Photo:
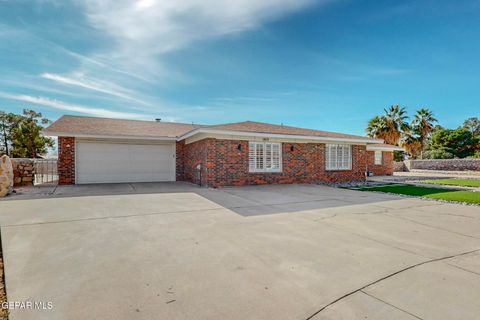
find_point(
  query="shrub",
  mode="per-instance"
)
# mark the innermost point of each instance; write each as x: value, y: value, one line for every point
x: 437, y: 154
x: 476, y: 155
x: 398, y: 156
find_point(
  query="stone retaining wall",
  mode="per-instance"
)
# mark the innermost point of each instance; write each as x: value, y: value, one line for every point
x: 439, y: 164
x: 23, y: 172
x: 399, y: 166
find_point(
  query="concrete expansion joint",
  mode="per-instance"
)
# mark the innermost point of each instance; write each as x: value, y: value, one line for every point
x: 327, y: 217
x: 391, y: 305
x: 53, y: 191
x: 430, y: 226
x: 387, y: 277
x: 113, y: 217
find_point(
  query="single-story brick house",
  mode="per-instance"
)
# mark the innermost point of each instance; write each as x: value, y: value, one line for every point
x: 101, y: 150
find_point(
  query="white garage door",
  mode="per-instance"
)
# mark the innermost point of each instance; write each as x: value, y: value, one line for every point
x: 104, y: 162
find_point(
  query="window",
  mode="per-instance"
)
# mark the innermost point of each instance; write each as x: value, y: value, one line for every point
x: 265, y: 157
x: 338, y: 157
x: 378, y: 157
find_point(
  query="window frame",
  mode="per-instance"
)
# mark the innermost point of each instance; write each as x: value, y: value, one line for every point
x: 332, y: 153
x: 375, y: 158
x: 267, y: 157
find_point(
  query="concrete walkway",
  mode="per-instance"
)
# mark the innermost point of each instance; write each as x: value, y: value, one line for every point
x: 272, y: 252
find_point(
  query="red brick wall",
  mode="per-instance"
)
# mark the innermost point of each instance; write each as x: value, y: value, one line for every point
x: 66, y: 160
x: 225, y: 163
x: 179, y: 160
x: 386, y: 168
x: 302, y: 165
x: 198, y: 153
x: 359, y: 166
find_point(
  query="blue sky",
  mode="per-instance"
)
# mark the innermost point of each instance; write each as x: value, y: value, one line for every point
x: 327, y: 64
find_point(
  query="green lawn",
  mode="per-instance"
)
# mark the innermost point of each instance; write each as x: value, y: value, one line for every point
x: 435, y: 193
x: 454, y: 182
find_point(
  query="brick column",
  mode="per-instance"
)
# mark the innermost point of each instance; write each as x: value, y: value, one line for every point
x: 66, y: 160
x: 179, y: 161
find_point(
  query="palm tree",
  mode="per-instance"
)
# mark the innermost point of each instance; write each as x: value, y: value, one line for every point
x: 396, y: 123
x: 412, y: 144
x: 423, y: 124
x: 376, y: 126
x: 390, y: 126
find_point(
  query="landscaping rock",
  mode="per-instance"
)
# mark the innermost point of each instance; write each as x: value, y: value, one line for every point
x: 6, y: 176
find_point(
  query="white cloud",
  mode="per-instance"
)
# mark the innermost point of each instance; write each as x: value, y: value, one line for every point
x: 53, y: 103
x: 96, y: 85
x: 145, y: 28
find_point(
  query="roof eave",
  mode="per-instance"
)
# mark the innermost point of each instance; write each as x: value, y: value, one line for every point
x: 105, y: 136
x: 380, y: 148
x: 280, y: 136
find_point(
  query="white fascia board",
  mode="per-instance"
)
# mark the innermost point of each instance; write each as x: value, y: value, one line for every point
x: 380, y: 148
x: 276, y: 135
x: 100, y: 136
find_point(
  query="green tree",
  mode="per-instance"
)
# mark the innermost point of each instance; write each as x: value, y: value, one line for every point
x: 8, y: 121
x: 472, y: 125
x: 26, y: 136
x: 458, y: 142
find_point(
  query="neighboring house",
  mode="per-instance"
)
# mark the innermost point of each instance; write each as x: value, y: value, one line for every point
x: 100, y: 150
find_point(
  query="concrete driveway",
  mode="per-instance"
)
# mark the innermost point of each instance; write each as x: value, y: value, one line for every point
x: 270, y: 252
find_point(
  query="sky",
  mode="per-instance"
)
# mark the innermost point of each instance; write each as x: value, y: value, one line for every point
x: 326, y: 64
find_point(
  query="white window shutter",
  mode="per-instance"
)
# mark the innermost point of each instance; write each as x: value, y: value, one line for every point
x: 259, y: 157
x: 264, y: 157
x: 349, y: 157
x: 334, y: 156
x: 276, y: 156
x: 251, y: 156
x: 328, y: 155
x: 268, y: 156
x: 378, y: 157
x: 345, y: 157
x: 338, y: 157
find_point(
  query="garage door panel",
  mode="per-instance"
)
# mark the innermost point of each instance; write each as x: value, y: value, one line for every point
x: 121, y: 162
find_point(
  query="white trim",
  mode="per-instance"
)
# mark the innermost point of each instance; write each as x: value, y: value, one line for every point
x: 276, y: 135
x: 380, y: 148
x: 76, y: 162
x: 125, y: 141
x: 174, y: 178
x: 104, y: 136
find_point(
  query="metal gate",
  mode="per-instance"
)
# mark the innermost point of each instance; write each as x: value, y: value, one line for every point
x: 45, y: 171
